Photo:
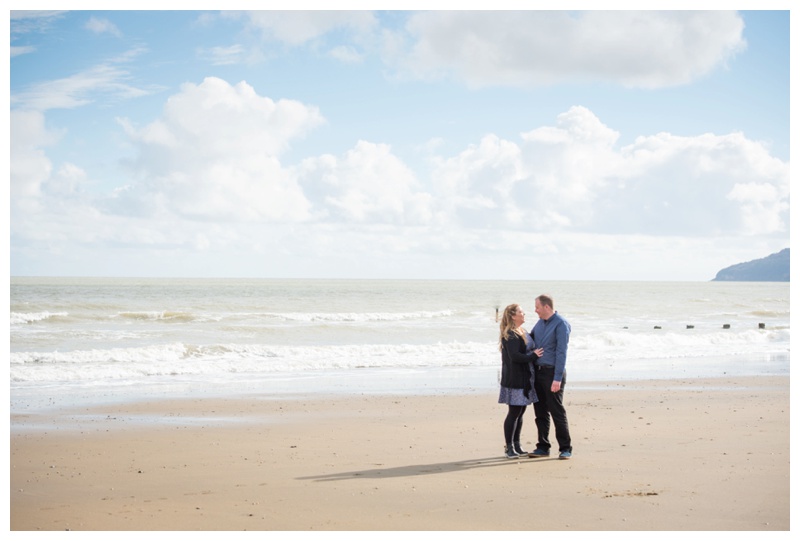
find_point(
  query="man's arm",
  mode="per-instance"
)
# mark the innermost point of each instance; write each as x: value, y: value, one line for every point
x: 562, y: 340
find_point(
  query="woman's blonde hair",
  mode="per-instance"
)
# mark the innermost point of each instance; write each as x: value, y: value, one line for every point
x: 507, y: 323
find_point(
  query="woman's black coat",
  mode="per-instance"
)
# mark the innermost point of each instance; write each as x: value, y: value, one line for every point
x: 516, y: 373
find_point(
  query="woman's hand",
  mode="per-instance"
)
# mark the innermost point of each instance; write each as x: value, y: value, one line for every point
x: 539, y: 351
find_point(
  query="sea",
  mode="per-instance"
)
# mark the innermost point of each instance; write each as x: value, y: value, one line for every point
x: 79, y: 341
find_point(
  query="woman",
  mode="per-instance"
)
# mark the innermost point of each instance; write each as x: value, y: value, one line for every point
x: 516, y: 379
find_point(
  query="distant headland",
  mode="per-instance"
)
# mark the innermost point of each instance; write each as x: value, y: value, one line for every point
x: 773, y: 268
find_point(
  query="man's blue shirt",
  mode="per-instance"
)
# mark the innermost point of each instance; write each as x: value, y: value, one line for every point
x: 553, y: 336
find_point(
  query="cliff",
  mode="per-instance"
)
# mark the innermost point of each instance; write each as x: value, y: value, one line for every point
x: 773, y: 268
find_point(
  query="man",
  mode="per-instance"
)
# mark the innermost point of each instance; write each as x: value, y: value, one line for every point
x: 551, y: 333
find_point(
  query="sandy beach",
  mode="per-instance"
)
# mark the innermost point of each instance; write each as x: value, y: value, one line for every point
x: 648, y: 455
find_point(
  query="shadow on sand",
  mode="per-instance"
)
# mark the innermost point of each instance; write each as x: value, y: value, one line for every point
x: 423, y: 469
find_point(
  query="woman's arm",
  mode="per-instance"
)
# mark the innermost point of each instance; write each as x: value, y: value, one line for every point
x: 516, y: 349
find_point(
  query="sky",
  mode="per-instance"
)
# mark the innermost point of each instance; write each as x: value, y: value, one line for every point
x: 519, y: 145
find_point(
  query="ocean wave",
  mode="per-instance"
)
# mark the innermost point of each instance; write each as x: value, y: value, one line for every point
x: 218, y: 360
x: 182, y: 359
x: 689, y: 343
x: 165, y: 315
x: 21, y: 318
x: 358, y: 317
x: 183, y: 316
x: 770, y: 314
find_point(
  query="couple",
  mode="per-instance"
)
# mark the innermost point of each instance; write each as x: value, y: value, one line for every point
x: 534, y: 373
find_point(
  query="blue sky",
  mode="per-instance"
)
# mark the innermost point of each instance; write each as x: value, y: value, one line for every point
x: 608, y: 145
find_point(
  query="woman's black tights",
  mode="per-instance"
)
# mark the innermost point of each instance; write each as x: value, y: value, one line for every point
x: 513, y: 424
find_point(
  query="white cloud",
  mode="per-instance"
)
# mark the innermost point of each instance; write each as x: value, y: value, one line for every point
x: 368, y: 184
x: 567, y: 167
x: 29, y: 164
x: 68, y: 181
x: 474, y: 188
x: 572, y: 177
x: 213, y: 154
x: 29, y: 21
x: 302, y: 26
x: 647, y: 49
x: 690, y: 186
x: 550, y: 180
x: 762, y: 206
x: 347, y: 54
x: 222, y: 56
x: 18, y: 51
x: 208, y: 179
x: 215, y: 120
x: 79, y: 89
x: 344, y: 35
x: 102, y: 26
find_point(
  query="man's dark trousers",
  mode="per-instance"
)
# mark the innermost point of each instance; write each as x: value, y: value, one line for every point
x: 551, y: 404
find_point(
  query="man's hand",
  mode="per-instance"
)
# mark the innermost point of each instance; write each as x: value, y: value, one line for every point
x: 555, y: 387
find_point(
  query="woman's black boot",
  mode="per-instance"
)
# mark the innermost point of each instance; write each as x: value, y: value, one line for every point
x: 510, y: 452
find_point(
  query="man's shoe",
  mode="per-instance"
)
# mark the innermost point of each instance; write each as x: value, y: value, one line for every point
x: 538, y: 453
x: 510, y: 453
x: 564, y: 455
